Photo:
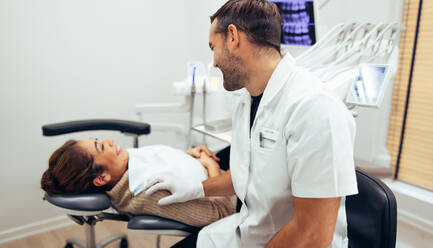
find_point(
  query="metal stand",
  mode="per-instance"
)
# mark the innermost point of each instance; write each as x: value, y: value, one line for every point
x: 135, y: 141
x: 158, y: 240
x: 191, y: 116
x: 90, y: 242
x: 204, y: 110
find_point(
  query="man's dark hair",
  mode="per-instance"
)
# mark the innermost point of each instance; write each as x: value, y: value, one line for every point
x: 258, y: 19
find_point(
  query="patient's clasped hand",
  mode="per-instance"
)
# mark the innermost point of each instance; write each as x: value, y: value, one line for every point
x: 93, y: 165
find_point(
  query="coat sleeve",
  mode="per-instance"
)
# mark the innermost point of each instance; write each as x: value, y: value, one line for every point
x: 320, y: 148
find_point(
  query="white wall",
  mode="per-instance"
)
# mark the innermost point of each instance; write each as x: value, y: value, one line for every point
x: 63, y: 60
x: 198, y: 24
x: 333, y: 12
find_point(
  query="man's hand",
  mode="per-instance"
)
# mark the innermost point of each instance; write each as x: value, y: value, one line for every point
x: 181, y: 191
x: 195, y: 152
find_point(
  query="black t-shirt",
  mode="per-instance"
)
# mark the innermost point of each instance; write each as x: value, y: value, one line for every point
x: 254, y: 106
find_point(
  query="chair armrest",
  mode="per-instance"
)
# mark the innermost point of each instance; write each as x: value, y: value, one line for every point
x: 131, y: 127
x: 154, y: 223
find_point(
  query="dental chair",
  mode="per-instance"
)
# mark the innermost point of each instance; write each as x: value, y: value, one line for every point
x: 88, y: 209
x: 371, y: 214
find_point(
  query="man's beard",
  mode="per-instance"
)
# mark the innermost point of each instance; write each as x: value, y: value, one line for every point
x: 234, y: 77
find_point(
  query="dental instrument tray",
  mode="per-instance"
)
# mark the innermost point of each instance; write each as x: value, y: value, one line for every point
x: 218, y: 126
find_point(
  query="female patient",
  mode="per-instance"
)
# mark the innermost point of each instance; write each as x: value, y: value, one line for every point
x: 100, y: 165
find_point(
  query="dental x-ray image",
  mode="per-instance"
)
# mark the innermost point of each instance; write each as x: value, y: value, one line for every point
x: 297, y: 22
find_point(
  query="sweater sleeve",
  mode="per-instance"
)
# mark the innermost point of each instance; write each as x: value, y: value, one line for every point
x: 197, y: 213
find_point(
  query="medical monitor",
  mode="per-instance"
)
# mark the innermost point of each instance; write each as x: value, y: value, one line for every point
x: 297, y: 22
x: 369, y: 88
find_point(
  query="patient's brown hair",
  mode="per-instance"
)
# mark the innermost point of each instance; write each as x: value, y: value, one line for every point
x: 71, y: 171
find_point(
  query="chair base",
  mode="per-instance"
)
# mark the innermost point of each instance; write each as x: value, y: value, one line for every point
x: 89, y: 229
x: 82, y: 244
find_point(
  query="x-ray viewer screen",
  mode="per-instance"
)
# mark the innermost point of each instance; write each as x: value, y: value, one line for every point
x: 369, y: 86
x: 297, y: 22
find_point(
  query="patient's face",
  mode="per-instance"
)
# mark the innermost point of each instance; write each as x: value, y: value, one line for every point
x: 105, y: 152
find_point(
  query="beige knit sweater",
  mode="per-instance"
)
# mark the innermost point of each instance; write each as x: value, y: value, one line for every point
x: 198, y: 212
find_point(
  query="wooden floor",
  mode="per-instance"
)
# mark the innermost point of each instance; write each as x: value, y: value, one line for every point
x: 407, y: 236
x: 57, y: 238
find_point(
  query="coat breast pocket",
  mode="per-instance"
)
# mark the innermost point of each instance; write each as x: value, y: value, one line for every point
x: 269, y: 159
x: 268, y: 139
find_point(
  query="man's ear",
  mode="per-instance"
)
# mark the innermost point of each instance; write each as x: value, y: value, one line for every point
x: 233, y: 37
x: 102, y: 179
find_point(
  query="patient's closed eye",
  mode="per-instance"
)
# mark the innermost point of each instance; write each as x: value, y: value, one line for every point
x: 98, y: 145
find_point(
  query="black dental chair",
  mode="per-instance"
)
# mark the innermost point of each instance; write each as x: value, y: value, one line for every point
x: 88, y: 209
x: 371, y: 214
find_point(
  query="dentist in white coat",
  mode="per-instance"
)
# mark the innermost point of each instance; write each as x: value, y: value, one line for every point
x: 291, y: 161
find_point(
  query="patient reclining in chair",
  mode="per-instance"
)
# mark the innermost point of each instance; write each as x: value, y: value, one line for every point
x: 92, y: 165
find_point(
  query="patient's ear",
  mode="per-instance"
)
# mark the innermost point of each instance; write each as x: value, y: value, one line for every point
x: 102, y: 179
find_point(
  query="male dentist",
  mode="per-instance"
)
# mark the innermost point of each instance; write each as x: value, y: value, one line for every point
x: 291, y: 162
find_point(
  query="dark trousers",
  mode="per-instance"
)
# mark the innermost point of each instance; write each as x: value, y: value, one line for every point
x: 188, y: 242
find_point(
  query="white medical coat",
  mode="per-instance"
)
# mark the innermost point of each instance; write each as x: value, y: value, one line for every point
x: 305, y: 150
